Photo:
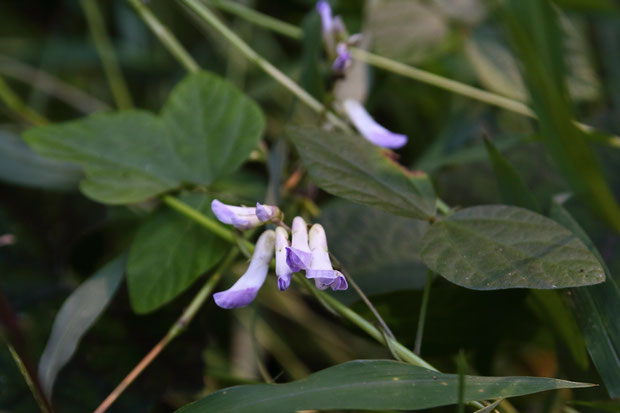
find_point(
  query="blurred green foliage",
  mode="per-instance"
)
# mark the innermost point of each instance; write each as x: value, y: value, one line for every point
x: 61, y: 238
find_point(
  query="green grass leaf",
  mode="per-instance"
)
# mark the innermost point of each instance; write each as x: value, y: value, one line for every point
x: 206, y: 130
x: 369, y: 385
x: 596, y: 309
x: 167, y: 255
x: 351, y: 167
x: 511, y: 186
x: 536, y: 34
x: 497, y: 246
x: 77, y: 314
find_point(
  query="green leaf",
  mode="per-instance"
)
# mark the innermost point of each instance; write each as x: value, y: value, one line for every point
x: 535, y: 31
x: 77, y: 314
x: 407, y: 31
x: 310, y: 77
x: 511, y: 186
x: 167, y: 255
x: 597, y: 309
x: 498, y: 69
x: 205, y: 131
x: 369, y: 385
x: 20, y: 165
x: 351, y: 167
x: 213, y: 126
x: 497, y: 246
x: 379, y: 250
x: 495, y: 66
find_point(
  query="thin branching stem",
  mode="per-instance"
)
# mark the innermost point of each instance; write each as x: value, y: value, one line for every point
x: 177, y: 328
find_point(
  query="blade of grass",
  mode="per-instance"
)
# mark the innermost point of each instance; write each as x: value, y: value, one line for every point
x: 104, y: 47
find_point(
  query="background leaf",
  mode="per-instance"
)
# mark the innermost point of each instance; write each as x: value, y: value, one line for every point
x: 549, y: 305
x: 379, y: 250
x: 405, y: 30
x: 167, y: 255
x: 76, y: 316
x: 369, y: 385
x: 498, y: 69
x: 497, y: 246
x: 535, y: 32
x: 351, y: 167
x: 596, y: 309
x: 21, y: 166
x: 511, y: 186
x: 206, y: 130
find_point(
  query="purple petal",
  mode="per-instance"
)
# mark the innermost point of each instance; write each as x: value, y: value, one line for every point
x: 370, y: 129
x: 325, y: 11
x: 340, y: 283
x: 235, y: 298
x: 222, y: 212
x: 343, y: 58
x: 284, y: 281
x: 324, y: 279
x: 245, y: 289
x: 266, y: 213
x: 297, y: 259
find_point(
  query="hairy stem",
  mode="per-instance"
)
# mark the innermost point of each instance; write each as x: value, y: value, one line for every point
x: 177, y: 328
x: 104, y: 47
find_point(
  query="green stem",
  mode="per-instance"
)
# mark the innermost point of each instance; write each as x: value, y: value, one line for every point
x: 51, y: 85
x: 164, y: 35
x: 331, y: 303
x: 346, y: 312
x: 402, y: 69
x: 403, y: 352
x: 422, y: 318
x: 210, y: 224
x: 36, y: 391
x: 205, y: 14
x: 104, y: 47
x: 177, y: 328
x: 17, y: 106
x: 259, y: 19
x: 441, y: 82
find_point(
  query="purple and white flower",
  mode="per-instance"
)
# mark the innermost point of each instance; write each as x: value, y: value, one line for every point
x: 370, y: 129
x: 266, y: 213
x: 239, y: 217
x: 245, y: 289
x: 283, y: 271
x: 321, y: 269
x: 298, y: 255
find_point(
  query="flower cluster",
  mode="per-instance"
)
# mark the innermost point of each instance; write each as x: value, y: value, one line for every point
x: 337, y: 43
x: 307, y: 251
